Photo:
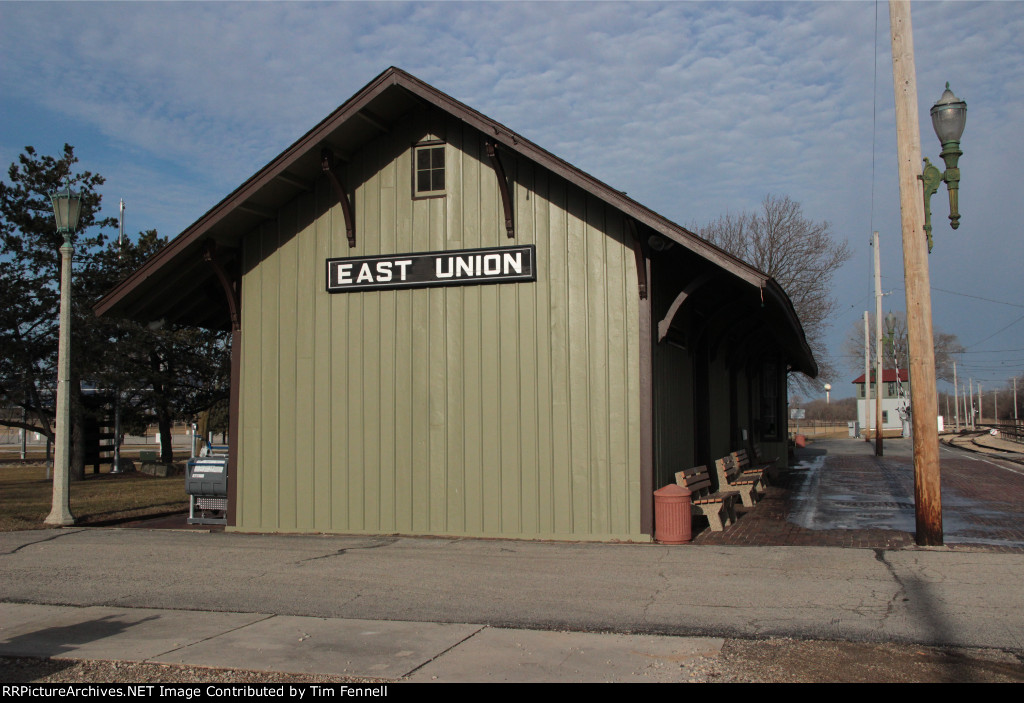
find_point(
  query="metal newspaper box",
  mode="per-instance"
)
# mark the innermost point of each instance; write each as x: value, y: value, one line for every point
x: 206, y: 482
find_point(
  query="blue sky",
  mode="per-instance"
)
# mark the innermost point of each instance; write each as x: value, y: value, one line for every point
x: 695, y: 109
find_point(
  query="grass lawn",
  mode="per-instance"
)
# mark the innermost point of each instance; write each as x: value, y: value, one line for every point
x: 26, y: 495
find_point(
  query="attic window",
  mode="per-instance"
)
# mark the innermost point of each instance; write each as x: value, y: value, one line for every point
x: 428, y: 175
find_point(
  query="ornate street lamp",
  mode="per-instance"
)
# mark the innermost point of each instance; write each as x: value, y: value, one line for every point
x: 67, y: 206
x: 890, y: 336
x: 890, y: 324
x: 949, y: 115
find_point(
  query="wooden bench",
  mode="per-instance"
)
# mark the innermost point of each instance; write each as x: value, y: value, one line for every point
x: 769, y: 464
x: 704, y: 502
x: 749, y: 469
x: 730, y: 478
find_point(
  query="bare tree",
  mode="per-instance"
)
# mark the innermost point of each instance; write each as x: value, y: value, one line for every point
x: 838, y: 410
x: 800, y: 254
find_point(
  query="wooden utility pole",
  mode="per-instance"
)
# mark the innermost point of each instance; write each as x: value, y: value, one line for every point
x: 968, y: 424
x: 956, y: 399
x: 867, y: 379
x: 927, y: 492
x: 970, y: 389
x: 963, y: 395
x: 879, y: 366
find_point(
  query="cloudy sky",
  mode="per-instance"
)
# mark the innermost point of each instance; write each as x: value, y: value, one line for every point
x: 695, y: 109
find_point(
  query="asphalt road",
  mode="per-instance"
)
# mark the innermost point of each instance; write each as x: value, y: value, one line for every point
x: 928, y: 596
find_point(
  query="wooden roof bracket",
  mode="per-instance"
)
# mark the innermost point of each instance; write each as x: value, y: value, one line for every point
x: 640, y: 254
x: 666, y: 322
x: 230, y: 289
x: 327, y: 166
x: 506, y: 196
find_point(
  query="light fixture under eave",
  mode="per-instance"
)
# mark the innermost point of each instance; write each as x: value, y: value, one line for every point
x: 659, y: 243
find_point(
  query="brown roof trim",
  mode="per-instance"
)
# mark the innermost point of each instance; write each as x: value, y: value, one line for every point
x: 252, y: 185
x: 617, y: 199
x: 190, y: 237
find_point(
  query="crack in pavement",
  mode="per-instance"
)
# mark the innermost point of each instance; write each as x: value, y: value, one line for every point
x: 901, y: 594
x: 440, y: 654
x: 657, y: 591
x: 60, y: 534
x: 341, y: 552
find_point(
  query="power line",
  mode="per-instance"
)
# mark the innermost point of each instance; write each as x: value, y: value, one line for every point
x: 997, y: 332
x: 976, y: 297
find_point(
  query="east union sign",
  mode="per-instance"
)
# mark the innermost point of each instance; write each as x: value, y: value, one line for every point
x: 435, y: 268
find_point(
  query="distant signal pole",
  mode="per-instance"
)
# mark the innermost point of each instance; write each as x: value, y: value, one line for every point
x: 879, y: 366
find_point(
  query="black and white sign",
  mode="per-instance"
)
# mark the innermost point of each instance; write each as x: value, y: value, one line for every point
x: 435, y: 268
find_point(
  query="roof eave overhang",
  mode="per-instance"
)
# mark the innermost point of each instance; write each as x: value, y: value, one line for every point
x: 191, y: 242
x: 799, y: 349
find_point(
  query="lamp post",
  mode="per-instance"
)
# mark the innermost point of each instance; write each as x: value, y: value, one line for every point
x: 949, y: 115
x: 67, y: 206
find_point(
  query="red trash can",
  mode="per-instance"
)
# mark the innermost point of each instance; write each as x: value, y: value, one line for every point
x: 672, y: 516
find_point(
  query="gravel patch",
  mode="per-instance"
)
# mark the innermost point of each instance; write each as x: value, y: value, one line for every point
x: 33, y: 670
x: 776, y: 660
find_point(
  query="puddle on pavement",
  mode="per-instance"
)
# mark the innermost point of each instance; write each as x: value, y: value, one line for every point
x: 818, y: 505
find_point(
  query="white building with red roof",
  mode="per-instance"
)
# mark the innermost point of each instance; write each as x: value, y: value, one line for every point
x: 895, y: 389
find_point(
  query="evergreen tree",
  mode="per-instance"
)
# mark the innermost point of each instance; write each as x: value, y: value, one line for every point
x: 30, y: 291
x: 161, y: 376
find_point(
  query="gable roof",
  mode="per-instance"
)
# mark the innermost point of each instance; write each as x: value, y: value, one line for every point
x: 177, y: 283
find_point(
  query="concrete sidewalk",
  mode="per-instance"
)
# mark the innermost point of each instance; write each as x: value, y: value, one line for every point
x: 410, y: 651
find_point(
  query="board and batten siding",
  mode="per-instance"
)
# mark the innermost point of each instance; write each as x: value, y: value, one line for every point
x: 485, y: 410
x: 673, y: 412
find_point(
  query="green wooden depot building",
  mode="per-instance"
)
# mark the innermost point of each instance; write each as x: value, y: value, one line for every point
x: 439, y: 328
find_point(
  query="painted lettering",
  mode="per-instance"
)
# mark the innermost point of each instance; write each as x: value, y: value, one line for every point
x: 439, y: 267
x: 344, y: 273
x: 514, y: 262
x: 496, y: 265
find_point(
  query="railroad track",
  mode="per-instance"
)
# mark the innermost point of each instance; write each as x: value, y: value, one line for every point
x: 979, y: 441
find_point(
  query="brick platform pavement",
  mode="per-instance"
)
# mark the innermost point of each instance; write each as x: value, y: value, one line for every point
x: 866, y: 502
